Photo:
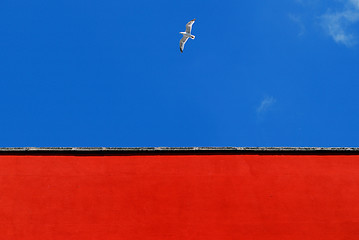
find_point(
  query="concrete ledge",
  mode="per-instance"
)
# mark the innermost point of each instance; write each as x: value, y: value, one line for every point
x: 178, y: 150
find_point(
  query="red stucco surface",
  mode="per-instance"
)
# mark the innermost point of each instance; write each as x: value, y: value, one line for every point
x: 179, y: 197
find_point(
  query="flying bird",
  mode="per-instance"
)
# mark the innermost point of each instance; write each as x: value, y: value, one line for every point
x: 187, y: 34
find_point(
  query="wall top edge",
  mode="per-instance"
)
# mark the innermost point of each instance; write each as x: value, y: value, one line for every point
x: 175, y: 150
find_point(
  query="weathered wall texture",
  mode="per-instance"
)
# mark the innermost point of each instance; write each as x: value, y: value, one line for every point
x: 179, y: 197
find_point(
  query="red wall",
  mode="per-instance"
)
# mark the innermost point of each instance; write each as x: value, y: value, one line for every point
x: 179, y: 197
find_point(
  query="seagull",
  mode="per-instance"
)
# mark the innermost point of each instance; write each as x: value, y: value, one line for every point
x: 187, y: 34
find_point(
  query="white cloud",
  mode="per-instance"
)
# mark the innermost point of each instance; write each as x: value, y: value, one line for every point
x: 266, y: 104
x: 297, y: 19
x: 355, y: 3
x: 337, y: 24
x: 338, y: 18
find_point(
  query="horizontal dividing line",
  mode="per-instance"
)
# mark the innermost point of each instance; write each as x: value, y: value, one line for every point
x: 102, y: 151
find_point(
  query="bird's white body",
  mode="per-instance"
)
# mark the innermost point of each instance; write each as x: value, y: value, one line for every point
x: 187, y: 34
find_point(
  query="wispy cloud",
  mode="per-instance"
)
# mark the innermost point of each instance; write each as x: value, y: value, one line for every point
x: 297, y: 20
x: 337, y: 24
x: 355, y: 3
x: 266, y: 104
x: 338, y: 18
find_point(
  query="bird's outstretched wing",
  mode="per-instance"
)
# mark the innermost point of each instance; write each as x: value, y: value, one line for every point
x: 189, y: 26
x: 182, y: 42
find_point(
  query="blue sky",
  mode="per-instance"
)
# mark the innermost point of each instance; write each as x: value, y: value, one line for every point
x: 110, y: 73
